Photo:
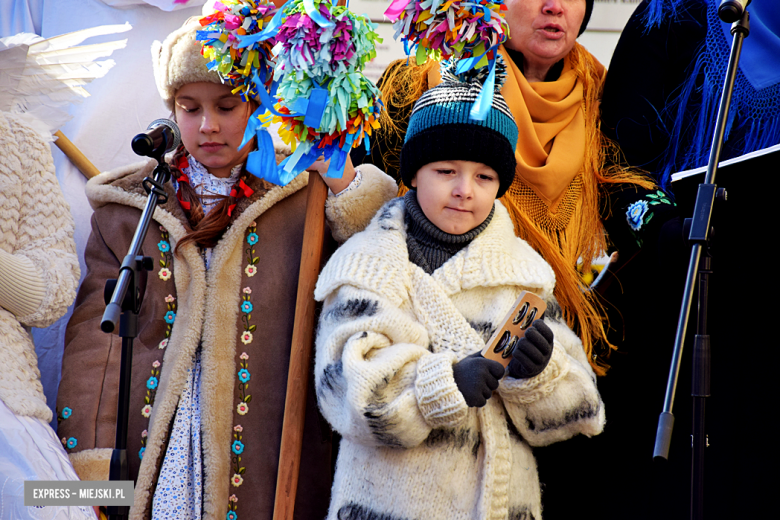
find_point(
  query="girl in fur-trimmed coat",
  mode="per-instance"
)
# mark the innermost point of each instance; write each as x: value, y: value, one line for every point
x: 431, y: 429
x: 210, y: 359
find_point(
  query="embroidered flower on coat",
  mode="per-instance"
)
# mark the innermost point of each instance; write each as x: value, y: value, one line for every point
x: 237, y: 447
x: 635, y: 214
x: 151, y: 383
x: 169, y: 299
x: 141, y: 452
x: 170, y: 317
x: 146, y: 411
x: 72, y: 443
x: 246, y: 309
x: 166, y: 258
x: 251, y: 259
x: 641, y: 212
x: 232, y: 507
x: 163, y: 344
x: 63, y: 415
x: 156, y: 364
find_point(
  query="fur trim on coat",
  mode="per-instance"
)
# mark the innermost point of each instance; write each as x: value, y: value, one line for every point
x: 209, y: 313
x: 388, y: 337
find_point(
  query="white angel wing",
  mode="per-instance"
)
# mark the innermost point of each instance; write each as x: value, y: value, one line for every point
x: 40, y: 78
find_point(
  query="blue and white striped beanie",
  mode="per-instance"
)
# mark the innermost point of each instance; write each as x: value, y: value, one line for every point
x: 441, y: 128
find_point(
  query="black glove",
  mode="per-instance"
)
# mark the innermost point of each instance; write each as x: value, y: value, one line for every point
x: 533, y: 352
x: 476, y: 378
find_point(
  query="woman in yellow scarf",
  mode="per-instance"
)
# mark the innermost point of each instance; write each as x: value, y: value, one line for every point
x: 553, y: 88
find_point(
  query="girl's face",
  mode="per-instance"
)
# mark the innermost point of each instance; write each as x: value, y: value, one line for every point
x: 212, y: 123
x: 456, y: 196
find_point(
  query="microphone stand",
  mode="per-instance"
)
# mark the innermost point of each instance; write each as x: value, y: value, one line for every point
x: 699, y: 238
x: 123, y: 303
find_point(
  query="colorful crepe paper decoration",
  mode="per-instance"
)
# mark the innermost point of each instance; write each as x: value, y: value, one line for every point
x: 247, y: 68
x: 237, y: 40
x: 469, y: 31
x: 326, y: 105
x: 442, y: 29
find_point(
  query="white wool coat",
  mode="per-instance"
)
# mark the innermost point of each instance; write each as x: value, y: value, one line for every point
x: 36, y: 237
x: 388, y: 337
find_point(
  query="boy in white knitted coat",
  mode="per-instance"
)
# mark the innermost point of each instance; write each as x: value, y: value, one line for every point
x: 431, y: 429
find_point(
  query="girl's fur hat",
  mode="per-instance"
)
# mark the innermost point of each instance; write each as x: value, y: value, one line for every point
x: 178, y: 61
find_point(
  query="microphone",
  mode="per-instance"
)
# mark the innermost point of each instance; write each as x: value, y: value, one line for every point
x: 731, y: 11
x: 161, y: 137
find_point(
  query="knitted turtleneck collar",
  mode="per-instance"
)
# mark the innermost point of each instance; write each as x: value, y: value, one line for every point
x: 430, y: 247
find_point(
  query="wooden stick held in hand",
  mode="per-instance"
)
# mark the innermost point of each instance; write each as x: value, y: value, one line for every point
x: 78, y: 159
x: 300, y: 351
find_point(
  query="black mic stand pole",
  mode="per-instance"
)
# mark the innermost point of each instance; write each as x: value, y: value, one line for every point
x: 123, y: 307
x: 699, y: 237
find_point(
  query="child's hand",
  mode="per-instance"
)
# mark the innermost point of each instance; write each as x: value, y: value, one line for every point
x: 476, y: 378
x: 335, y: 185
x: 533, y: 352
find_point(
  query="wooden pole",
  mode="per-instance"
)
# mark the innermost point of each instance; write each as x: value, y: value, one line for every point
x: 78, y: 159
x: 300, y: 351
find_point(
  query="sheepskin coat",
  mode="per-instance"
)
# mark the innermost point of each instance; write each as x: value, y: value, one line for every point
x: 239, y: 311
x: 388, y: 337
x: 36, y: 243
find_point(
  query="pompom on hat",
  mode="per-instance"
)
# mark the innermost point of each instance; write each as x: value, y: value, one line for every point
x: 178, y: 61
x: 441, y: 127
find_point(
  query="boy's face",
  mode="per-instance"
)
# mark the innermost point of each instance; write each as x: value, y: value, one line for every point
x: 456, y: 196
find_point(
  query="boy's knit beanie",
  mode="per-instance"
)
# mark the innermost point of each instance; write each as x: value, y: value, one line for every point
x: 441, y: 128
x: 178, y: 61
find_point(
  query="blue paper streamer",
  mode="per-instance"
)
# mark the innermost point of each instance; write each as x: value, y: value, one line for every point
x: 252, y: 126
x: 272, y: 28
x: 267, y: 101
x: 262, y: 162
x: 315, y: 14
x: 337, y: 162
x: 481, y: 107
x: 318, y: 100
